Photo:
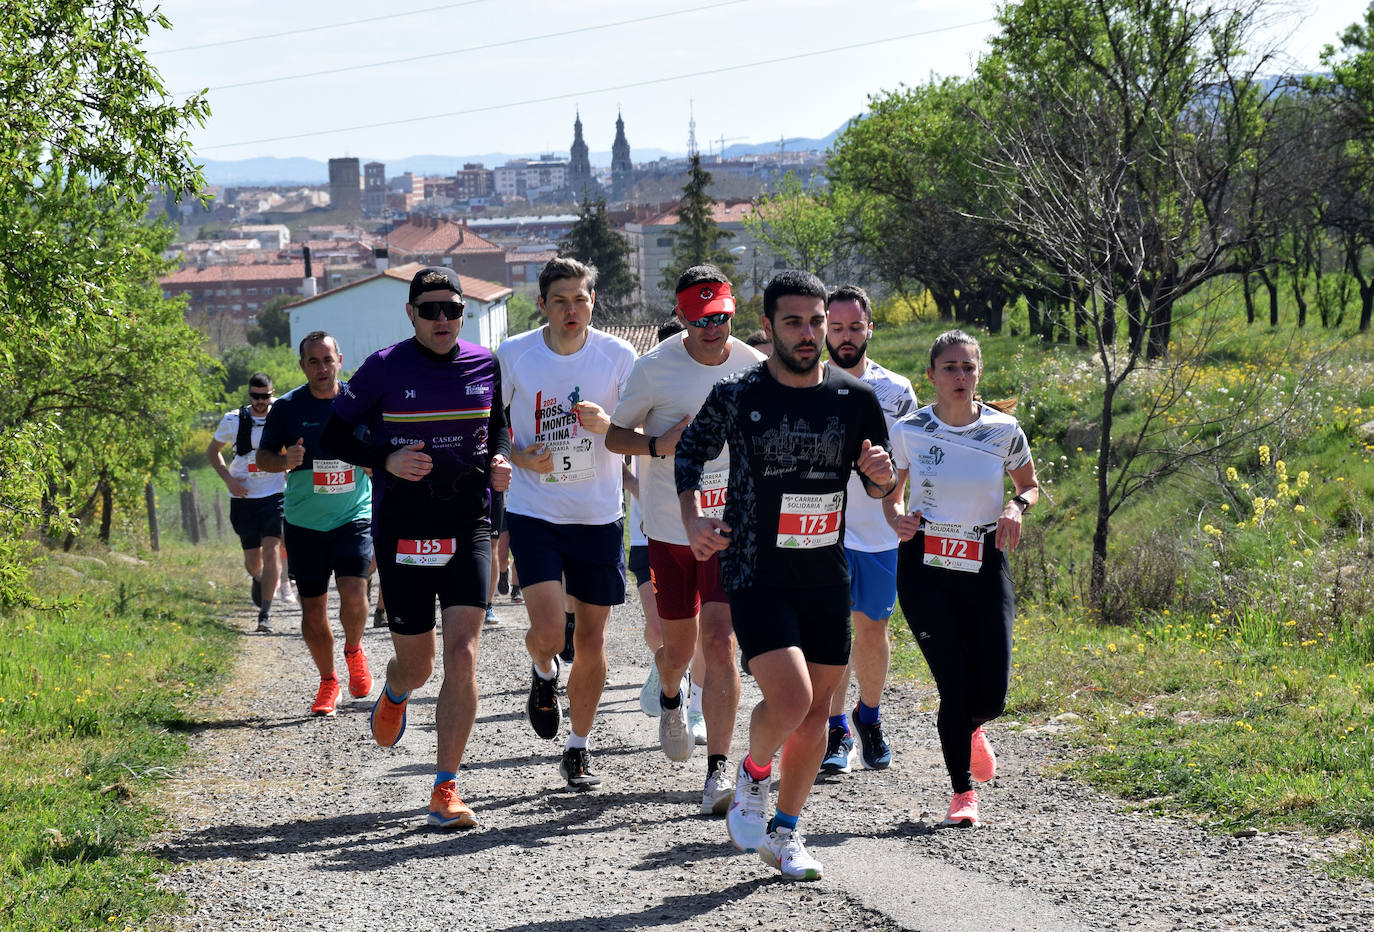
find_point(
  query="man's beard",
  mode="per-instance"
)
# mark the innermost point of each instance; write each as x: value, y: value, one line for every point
x: 791, y: 363
x: 860, y: 351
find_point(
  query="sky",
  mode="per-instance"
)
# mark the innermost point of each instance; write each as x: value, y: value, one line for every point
x: 475, y: 76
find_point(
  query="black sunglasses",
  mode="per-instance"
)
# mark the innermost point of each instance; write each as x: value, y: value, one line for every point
x: 431, y: 310
x: 720, y: 320
x: 260, y: 396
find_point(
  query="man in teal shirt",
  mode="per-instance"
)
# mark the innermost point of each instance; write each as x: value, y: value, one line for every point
x: 328, y: 510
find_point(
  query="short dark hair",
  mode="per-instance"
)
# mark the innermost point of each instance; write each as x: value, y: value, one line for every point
x: 791, y: 282
x: 561, y: 267
x: 698, y: 274
x: 314, y: 335
x: 851, y: 293
x: 757, y: 338
x: 259, y: 380
x: 953, y: 338
x: 669, y: 327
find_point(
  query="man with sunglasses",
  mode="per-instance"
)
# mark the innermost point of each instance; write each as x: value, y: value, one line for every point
x: 328, y: 506
x: 255, y: 508
x: 666, y: 388
x: 437, y: 445
x: 565, y: 508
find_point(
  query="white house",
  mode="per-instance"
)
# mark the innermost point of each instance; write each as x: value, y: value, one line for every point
x: 369, y: 314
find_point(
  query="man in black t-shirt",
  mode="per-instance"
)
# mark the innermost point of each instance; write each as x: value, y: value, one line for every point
x: 796, y: 431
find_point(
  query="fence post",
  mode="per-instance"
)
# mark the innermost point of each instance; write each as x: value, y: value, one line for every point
x: 219, y: 518
x: 190, y: 524
x: 150, y: 497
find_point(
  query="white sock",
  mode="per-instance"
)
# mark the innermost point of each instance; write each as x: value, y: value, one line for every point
x: 552, y: 673
x: 694, y: 705
x: 575, y: 741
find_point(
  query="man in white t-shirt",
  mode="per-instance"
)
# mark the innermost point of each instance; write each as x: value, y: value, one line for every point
x: 564, y: 509
x: 255, y: 509
x: 870, y: 546
x: 666, y: 389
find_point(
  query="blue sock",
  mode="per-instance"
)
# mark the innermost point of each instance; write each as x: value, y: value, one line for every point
x: 390, y: 694
x: 782, y: 820
x: 840, y: 721
x: 443, y: 776
x: 866, y: 715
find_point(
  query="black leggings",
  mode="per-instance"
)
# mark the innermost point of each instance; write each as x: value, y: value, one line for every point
x: 962, y: 622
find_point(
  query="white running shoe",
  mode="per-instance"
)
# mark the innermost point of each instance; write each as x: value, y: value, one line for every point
x: 696, y: 724
x: 747, y: 820
x: 718, y: 792
x: 648, y: 695
x: 782, y: 848
x: 673, y: 734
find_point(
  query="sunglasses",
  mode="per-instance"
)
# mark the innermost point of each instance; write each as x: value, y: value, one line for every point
x: 260, y: 396
x: 432, y: 310
x: 718, y: 320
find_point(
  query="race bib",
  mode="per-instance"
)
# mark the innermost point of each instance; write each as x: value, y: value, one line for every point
x: 713, y: 493
x: 426, y: 552
x: 954, y: 547
x: 253, y: 467
x: 333, y: 477
x: 574, y: 460
x: 810, y: 521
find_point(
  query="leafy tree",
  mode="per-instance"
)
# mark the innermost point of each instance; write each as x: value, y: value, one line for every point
x: 594, y: 240
x: 274, y: 323
x: 97, y: 371
x: 697, y: 238
x: 808, y: 229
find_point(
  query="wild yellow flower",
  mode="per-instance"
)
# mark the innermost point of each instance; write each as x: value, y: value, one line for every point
x: 1264, y: 454
x: 1231, y: 474
x: 1300, y: 509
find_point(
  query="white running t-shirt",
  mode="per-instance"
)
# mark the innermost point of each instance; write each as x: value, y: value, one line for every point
x: 259, y: 483
x: 667, y: 384
x: 865, y: 528
x: 540, y: 387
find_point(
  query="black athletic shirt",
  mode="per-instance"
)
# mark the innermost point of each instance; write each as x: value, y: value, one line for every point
x: 788, y: 446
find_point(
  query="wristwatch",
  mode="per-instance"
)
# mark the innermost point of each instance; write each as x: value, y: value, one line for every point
x: 1023, y: 502
x: 653, y: 448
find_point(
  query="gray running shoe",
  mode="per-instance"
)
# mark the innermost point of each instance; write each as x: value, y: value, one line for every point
x: 719, y: 790
x: 747, y: 820
x: 674, y: 735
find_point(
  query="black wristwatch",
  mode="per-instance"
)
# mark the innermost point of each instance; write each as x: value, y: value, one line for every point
x: 1023, y: 502
x: 653, y: 447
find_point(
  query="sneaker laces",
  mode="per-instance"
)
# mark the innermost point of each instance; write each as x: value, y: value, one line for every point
x: 837, y: 735
x: 755, y: 798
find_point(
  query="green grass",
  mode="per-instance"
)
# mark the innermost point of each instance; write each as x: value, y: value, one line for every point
x: 90, y: 695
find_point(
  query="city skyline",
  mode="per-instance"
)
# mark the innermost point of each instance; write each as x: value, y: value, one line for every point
x: 511, y: 74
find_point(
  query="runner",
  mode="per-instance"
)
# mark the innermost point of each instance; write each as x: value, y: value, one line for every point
x: 255, y: 508
x: 796, y: 430
x: 666, y: 389
x: 565, y: 507
x: 952, y: 574
x: 870, y: 545
x: 430, y: 404
x: 328, y: 505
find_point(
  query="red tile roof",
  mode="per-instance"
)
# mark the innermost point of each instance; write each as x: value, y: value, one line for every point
x: 721, y: 213
x: 478, y: 288
x: 435, y: 236
x: 245, y: 273
x: 643, y: 337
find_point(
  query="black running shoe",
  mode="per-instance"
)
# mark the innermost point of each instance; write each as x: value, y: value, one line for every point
x: 379, y: 617
x: 503, y: 583
x: 576, y: 768
x: 567, y: 653
x: 873, y: 748
x: 543, y: 708
x: 256, y: 592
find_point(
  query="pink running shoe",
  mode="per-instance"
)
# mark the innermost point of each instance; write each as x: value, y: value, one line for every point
x: 963, y: 810
x: 982, y: 763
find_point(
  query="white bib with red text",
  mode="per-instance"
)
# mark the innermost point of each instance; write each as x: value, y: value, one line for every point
x: 953, y: 546
x: 333, y: 477
x: 810, y: 521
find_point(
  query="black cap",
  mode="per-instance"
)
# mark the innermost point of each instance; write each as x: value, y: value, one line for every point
x: 434, y: 278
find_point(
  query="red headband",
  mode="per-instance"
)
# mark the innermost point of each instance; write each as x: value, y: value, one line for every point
x: 699, y: 300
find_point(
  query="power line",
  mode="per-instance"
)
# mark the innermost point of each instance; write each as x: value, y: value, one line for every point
x: 477, y: 48
x: 719, y: 69
x: 305, y: 29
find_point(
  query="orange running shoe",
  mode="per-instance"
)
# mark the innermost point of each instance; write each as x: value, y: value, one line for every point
x: 447, y: 809
x: 359, y: 676
x: 982, y: 763
x: 388, y: 719
x: 326, y: 697
x: 963, y: 810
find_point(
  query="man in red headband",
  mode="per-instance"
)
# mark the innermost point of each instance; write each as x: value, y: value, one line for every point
x: 666, y: 387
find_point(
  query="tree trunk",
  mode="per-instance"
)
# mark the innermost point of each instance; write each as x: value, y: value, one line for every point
x: 1161, y: 328
x: 1249, y: 294
x: 106, y: 510
x: 1097, y: 586
x: 1273, y: 288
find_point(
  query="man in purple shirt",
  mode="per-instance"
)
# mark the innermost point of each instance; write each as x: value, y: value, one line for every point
x: 438, y: 447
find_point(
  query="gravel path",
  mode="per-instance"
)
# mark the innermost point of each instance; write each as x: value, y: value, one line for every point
x: 290, y: 822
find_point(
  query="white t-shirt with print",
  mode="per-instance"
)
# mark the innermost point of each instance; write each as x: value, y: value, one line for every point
x: 865, y: 528
x: 667, y: 384
x: 540, y: 387
x: 259, y: 483
x: 958, y: 473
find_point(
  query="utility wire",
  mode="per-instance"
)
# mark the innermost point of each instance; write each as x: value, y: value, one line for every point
x: 714, y: 70
x: 305, y: 29
x: 476, y: 48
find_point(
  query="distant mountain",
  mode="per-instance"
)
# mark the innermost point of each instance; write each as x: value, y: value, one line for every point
x: 288, y: 171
